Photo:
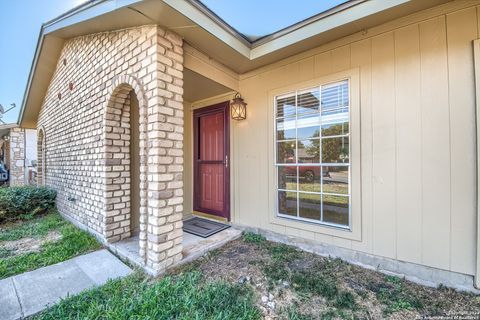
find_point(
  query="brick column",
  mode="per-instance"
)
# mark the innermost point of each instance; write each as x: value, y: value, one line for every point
x: 17, y: 157
x: 165, y: 156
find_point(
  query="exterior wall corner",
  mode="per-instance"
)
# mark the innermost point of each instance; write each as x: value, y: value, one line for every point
x: 86, y: 118
x: 17, y: 157
x: 165, y: 155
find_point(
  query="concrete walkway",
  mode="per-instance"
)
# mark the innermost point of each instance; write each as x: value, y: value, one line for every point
x: 29, y: 293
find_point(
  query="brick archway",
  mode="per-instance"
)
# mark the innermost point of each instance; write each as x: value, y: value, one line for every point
x: 41, y: 156
x: 116, y: 144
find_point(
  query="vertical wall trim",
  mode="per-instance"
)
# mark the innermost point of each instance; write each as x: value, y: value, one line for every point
x: 25, y: 173
x: 476, y: 51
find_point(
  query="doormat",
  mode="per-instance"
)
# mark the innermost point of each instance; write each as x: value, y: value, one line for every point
x: 202, y: 227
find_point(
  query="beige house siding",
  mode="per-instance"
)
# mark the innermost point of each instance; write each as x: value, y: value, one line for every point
x: 188, y: 151
x: 417, y: 103
x: 413, y: 85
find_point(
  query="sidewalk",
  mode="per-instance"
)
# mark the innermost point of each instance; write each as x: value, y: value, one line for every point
x: 29, y: 293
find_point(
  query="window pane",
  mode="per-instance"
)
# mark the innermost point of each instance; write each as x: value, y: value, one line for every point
x: 287, y: 178
x: 287, y: 203
x: 335, y: 127
x: 310, y: 206
x: 286, y: 106
x: 309, y: 151
x: 335, y: 180
x: 286, y: 129
x: 308, y: 126
x: 286, y: 152
x: 308, y: 101
x: 313, y: 153
x: 335, y: 209
x: 309, y: 178
x: 335, y: 98
x: 335, y: 150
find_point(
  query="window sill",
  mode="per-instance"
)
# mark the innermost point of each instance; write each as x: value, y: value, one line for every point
x: 314, y: 222
x: 335, y: 231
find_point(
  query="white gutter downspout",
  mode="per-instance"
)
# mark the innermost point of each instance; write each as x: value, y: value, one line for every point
x: 476, y: 54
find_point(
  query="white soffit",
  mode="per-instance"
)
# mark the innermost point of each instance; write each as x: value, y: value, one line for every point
x: 203, y: 30
x: 354, y: 13
x: 85, y: 11
x: 222, y: 31
x: 354, y: 10
x: 256, y: 20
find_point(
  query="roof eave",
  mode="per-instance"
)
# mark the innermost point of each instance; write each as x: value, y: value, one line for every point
x: 30, y: 76
x: 251, y: 52
x: 85, y: 11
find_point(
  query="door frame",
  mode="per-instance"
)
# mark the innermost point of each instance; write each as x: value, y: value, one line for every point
x: 197, y: 114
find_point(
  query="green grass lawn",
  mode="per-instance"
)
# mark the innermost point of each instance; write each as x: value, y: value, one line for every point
x: 252, y: 278
x: 40, y: 242
x: 183, y: 296
x: 315, y: 187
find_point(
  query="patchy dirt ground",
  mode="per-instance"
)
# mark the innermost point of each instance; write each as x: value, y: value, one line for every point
x: 292, y: 284
x: 5, y: 226
x: 41, y: 241
x: 27, y: 245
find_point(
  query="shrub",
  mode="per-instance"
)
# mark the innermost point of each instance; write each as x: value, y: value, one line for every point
x: 253, y: 237
x: 25, y: 202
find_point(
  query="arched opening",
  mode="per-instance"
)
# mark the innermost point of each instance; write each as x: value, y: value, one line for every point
x: 125, y: 178
x: 41, y: 159
x: 133, y: 200
x: 122, y: 164
x: 134, y: 164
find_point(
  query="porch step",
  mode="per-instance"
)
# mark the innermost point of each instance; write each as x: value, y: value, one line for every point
x: 194, y: 246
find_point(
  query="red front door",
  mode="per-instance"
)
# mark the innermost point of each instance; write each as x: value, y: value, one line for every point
x: 211, y: 163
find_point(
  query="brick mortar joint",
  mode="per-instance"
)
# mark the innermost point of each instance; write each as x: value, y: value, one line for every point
x: 92, y: 64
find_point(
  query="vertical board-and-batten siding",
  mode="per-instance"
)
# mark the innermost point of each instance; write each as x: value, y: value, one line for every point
x: 435, y: 144
x: 461, y: 29
x: 418, y: 138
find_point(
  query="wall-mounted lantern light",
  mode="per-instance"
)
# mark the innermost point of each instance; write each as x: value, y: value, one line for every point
x: 238, y: 108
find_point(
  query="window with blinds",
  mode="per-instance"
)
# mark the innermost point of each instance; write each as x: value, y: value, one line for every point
x: 313, y: 154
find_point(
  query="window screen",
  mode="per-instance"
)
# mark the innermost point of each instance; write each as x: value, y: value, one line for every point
x: 312, y: 143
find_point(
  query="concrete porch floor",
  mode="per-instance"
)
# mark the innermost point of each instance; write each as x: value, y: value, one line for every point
x: 193, y: 246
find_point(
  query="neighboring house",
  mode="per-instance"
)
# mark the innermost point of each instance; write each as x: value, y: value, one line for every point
x: 130, y: 100
x: 18, y: 155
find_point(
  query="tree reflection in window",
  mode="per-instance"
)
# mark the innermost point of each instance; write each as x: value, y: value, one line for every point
x: 313, y: 154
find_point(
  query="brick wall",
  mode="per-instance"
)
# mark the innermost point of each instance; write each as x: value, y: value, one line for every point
x: 17, y: 157
x: 86, y: 125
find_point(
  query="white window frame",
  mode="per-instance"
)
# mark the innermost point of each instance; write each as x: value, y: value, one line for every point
x: 320, y: 164
x: 306, y: 227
